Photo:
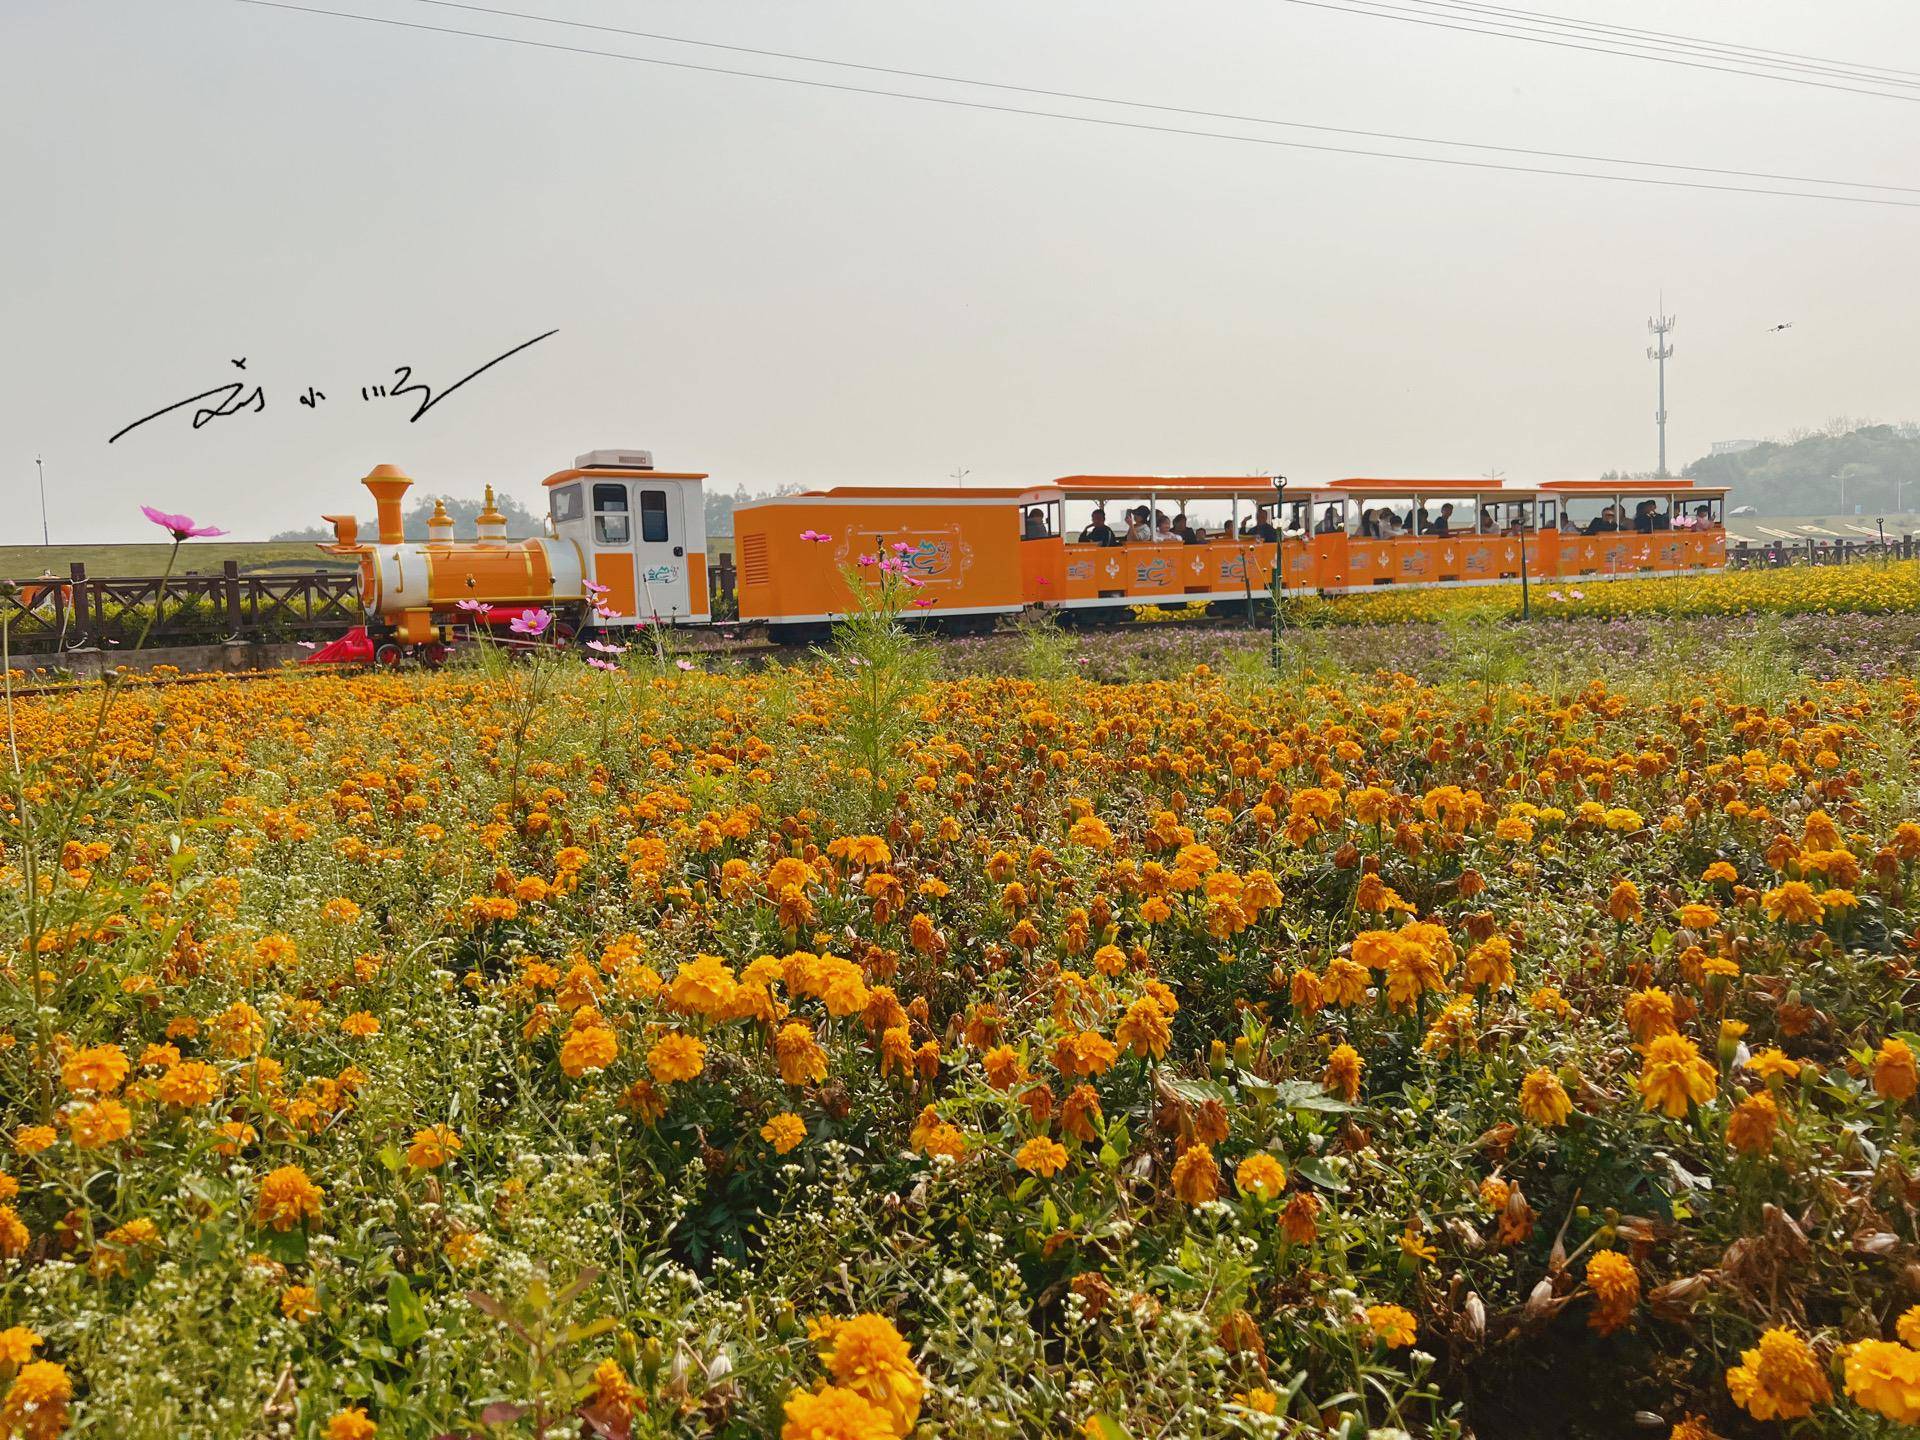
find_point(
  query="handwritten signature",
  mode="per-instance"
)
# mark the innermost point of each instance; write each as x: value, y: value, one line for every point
x: 234, y: 397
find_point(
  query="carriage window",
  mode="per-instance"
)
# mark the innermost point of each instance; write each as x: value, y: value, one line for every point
x: 610, y: 525
x: 565, y: 504
x: 653, y: 515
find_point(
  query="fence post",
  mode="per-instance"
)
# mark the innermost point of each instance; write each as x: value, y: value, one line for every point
x: 230, y: 581
x: 77, y: 574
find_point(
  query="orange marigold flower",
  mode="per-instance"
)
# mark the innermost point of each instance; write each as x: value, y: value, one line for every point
x: 1196, y: 1178
x: 36, y: 1403
x: 1673, y: 1077
x: 190, y: 1083
x: 588, y: 1048
x: 675, y: 1056
x: 1751, y: 1127
x: 287, y: 1198
x: 784, y: 1131
x: 1623, y: 904
x: 98, y: 1124
x: 350, y: 1424
x: 1885, y: 1378
x: 867, y: 1356
x: 1144, y: 1030
x: 1793, y: 903
x: 800, y: 1057
x: 1260, y: 1176
x: 360, y: 1024
x: 1779, y: 1379
x: 1342, y: 1075
x: 433, y: 1147
x: 834, y: 1413
x: 1616, y: 1290
x: 1041, y: 1156
x: 1543, y: 1099
x: 1393, y: 1325
x: 299, y: 1304
x: 1894, y: 1077
x: 96, y: 1070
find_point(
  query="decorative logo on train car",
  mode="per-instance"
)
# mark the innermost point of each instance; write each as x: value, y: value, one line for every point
x: 1152, y: 572
x: 1234, y: 567
x: 1414, y: 561
x: 660, y: 574
x: 936, y: 557
x: 1673, y: 553
x: 1478, y: 562
x: 1080, y: 570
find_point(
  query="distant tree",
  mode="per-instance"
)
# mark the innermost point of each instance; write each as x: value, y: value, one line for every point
x: 465, y: 511
x: 720, y: 506
x: 1803, y: 475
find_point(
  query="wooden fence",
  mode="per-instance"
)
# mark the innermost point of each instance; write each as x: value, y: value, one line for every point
x: 86, y: 612
x: 1811, y: 550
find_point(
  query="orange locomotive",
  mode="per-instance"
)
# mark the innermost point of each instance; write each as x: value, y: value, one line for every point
x: 627, y: 546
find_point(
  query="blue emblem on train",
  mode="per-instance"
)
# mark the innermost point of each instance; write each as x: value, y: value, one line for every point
x: 930, y: 559
x: 1151, y: 572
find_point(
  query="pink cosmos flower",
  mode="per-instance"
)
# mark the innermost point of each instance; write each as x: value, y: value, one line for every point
x: 684, y: 664
x: 867, y: 562
x: 592, y: 588
x: 181, y: 527
x: 901, y: 547
x: 606, y: 647
x: 1578, y: 594
x: 479, y: 609
x: 600, y: 664
x: 817, y: 537
x: 924, y: 601
x: 532, y: 623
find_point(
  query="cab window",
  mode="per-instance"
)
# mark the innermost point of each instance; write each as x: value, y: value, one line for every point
x: 653, y: 515
x: 566, y: 504
x: 610, y: 525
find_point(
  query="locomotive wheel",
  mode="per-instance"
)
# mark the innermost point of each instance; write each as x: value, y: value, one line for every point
x: 433, y: 656
x: 386, y: 654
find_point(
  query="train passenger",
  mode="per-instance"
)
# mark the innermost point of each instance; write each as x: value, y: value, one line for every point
x: 1441, y: 524
x: 1263, y: 530
x: 1369, y: 525
x: 1330, y: 522
x: 1035, y: 527
x: 1138, y: 530
x: 1489, y: 522
x: 1390, y: 526
x: 1163, y: 530
x: 1098, y: 532
x: 1607, y: 522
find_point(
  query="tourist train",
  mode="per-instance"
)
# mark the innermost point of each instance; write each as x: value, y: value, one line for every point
x: 627, y: 547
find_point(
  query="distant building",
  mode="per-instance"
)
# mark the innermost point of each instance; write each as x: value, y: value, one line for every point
x: 1732, y: 447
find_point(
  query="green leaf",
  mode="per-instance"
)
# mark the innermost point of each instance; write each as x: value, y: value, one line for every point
x: 1316, y: 1170
x: 289, y: 1247
x: 406, y: 1317
x: 1105, y: 1427
x: 1049, y: 1216
x: 1307, y: 1095
x: 1198, y: 1092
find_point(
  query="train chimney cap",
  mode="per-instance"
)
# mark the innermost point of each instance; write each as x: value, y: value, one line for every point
x: 614, y: 460
x: 386, y: 472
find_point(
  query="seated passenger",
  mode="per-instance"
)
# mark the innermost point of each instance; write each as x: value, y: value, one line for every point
x: 1330, y: 522
x: 1098, y: 532
x: 1643, y: 517
x: 1163, y: 530
x: 1263, y: 530
x: 1035, y: 527
x: 1138, y: 531
x: 1607, y: 522
x: 1390, y: 526
x: 1489, y: 522
x: 1443, y: 522
x: 1182, y: 531
x: 1369, y: 525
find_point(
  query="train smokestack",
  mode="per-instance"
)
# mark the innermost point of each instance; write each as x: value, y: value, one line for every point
x: 387, y: 485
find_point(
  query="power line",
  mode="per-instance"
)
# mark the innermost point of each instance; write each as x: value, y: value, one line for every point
x: 1697, y: 41
x: 1100, y: 120
x: 1160, y: 108
x: 1437, y: 23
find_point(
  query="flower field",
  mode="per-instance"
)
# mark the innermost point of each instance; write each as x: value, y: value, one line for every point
x: 860, y: 1049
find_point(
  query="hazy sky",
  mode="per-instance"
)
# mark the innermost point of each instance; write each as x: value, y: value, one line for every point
x: 778, y: 284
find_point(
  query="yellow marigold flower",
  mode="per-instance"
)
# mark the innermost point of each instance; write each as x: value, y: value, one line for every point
x: 1649, y: 1013
x: 1259, y: 1400
x: 1623, y: 904
x: 784, y: 1131
x: 350, y: 1424
x: 867, y: 1356
x: 1793, y: 903
x: 613, y: 1393
x: 96, y: 1070
x: 1144, y: 1030
x: 98, y: 1124
x: 360, y: 1024
x: 1719, y: 873
x: 299, y: 1304
x: 1769, y: 1063
x: 676, y: 1056
x: 1751, y: 1127
x: 1494, y: 1192
x: 1779, y: 1379
x: 800, y: 1057
x: 433, y: 1147
x: 833, y: 1413
x: 1616, y: 1290
x: 1342, y: 1075
x: 1196, y: 1178
x: 1260, y: 1176
x: 1092, y: 832
x: 1673, y: 1077
x: 1908, y: 1328
x: 1415, y: 1247
x: 14, y: 1235
x: 1393, y: 1325
x: 1698, y: 917
x: 36, y: 1403
x: 1893, y: 1071
x: 587, y: 1048
x: 1543, y: 1099
x: 1042, y: 1156
x: 190, y: 1083
x: 1885, y: 1378
x: 287, y: 1198
x: 17, y: 1344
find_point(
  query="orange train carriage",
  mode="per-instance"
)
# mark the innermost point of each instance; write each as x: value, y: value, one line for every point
x: 627, y: 546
